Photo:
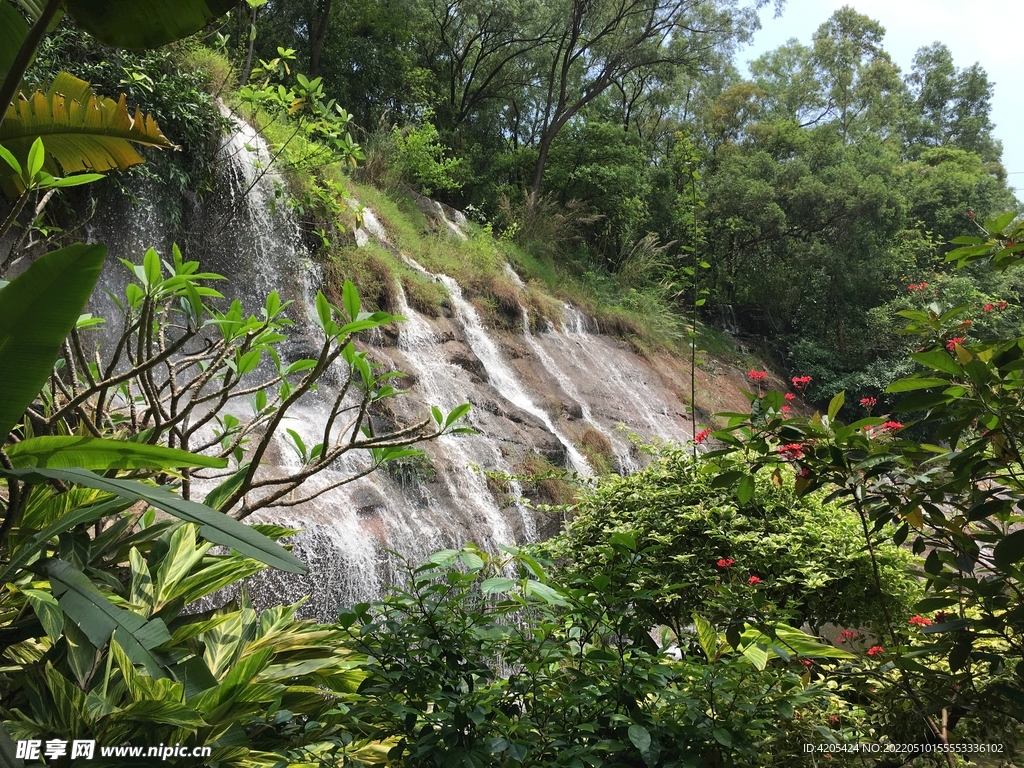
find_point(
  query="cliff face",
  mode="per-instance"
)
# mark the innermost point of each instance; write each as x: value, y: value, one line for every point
x: 560, y: 391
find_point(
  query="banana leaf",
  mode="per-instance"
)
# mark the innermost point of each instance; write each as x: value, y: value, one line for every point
x: 13, y: 30
x: 38, y: 309
x: 145, y: 23
x: 81, y: 131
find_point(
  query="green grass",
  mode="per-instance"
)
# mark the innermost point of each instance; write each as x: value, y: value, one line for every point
x: 318, y: 188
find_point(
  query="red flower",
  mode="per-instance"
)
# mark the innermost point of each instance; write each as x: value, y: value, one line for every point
x: 757, y: 375
x: 791, y: 451
x: 785, y: 410
x: 919, y: 621
x: 951, y: 344
x: 848, y: 634
x: 701, y: 436
x: 1001, y: 305
x: 869, y: 402
x: 753, y: 581
x: 966, y: 323
x: 988, y: 307
x: 875, y: 650
x: 800, y: 382
x: 834, y: 719
x: 892, y: 426
x: 917, y: 287
x: 804, y: 472
x: 790, y: 396
x: 806, y: 662
x: 726, y: 562
x: 970, y: 215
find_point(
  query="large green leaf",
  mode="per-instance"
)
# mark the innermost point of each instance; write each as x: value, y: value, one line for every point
x: 38, y: 309
x: 795, y: 641
x: 94, y: 453
x: 99, y: 618
x: 145, y: 23
x: 13, y: 31
x: 81, y: 131
x: 215, y: 526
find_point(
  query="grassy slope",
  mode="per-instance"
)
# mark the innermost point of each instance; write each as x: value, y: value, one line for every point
x: 326, y: 196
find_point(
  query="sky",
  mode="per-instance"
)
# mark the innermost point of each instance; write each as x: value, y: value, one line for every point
x: 981, y: 31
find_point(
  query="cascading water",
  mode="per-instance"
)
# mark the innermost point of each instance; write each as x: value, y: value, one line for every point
x: 353, y: 535
x: 501, y: 375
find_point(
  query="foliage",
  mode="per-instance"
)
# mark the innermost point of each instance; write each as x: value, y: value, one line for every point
x: 808, y: 556
x: 170, y: 84
x: 101, y: 633
x: 486, y: 660
x: 182, y: 366
x: 954, y: 498
x: 229, y: 678
x: 81, y: 131
x: 420, y: 159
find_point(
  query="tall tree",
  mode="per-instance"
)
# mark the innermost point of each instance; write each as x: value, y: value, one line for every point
x: 856, y: 75
x: 603, y: 42
x: 476, y: 50
x: 951, y: 106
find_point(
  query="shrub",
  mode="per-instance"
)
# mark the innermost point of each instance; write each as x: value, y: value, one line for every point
x: 486, y: 661
x: 809, y: 555
x: 421, y: 161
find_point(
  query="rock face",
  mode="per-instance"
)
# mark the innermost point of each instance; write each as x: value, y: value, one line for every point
x: 551, y: 392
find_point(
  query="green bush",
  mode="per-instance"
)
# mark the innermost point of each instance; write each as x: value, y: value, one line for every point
x: 421, y: 159
x: 481, y: 660
x: 809, y: 555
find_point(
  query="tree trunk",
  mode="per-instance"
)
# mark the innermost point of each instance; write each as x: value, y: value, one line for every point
x: 542, y: 158
x: 318, y: 34
x: 252, y: 43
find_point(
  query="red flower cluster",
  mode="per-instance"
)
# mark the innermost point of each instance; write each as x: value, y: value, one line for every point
x: 701, y: 436
x: 791, y: 451
x: 806, y: 662
x: 801, y: 382
x: 785, y: 410
x: 892, y: 426
x: 847, y: 634
x: 1001, y: 305
x: 754, y: 580
x: 919, y: 621
x: 869, y: 402
x: 951, y: 344
x: 917, y: 287
x: 990, y: 306
x: 757, y: 375
x: 726, y: 562
x: 875, y: 650
x: 970, y: 215
x: 790, y: 396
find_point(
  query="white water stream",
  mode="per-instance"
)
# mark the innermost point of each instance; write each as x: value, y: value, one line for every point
x: 354, y: 536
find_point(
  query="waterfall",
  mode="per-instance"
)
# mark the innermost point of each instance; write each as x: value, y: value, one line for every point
x: 567, y: 380
x: 502, y: 377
